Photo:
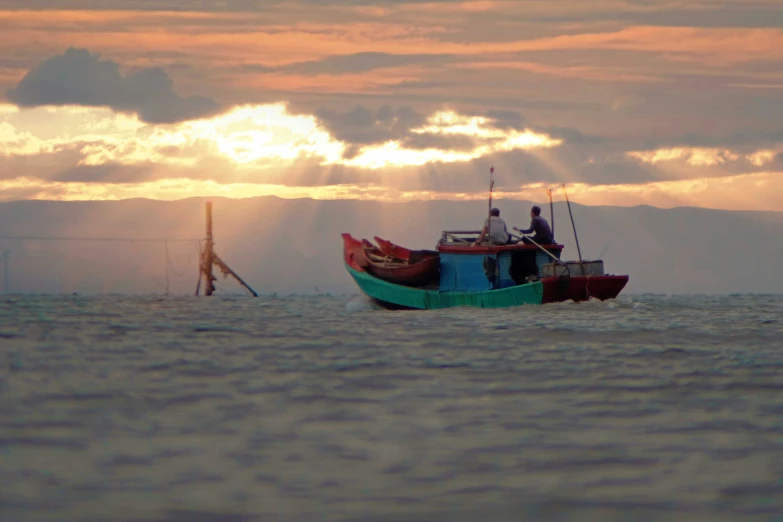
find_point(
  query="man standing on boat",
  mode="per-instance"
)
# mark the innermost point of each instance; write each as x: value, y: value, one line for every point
x: 495, y: 227
x: 539, y: 225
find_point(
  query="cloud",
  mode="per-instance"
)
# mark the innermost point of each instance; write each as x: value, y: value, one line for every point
x: 762, y: 157
x: 403, y: 94
x: 397, y: 145
x: 78, y: 77
x: 338, y: 54
x: 363, y: 126
x: 449, y: 124
x: 20, y: 143
x: 257, y: 142
x: 362, y: 62
x: 106, y: 173
x: 692, y: 156
x: 94, y: 153
x: 506, y: 119
x: 439, y: 141
x: 704, y: 157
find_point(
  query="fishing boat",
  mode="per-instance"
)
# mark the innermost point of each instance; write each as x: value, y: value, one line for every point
x: 484, y: 276
x: 460, y: 273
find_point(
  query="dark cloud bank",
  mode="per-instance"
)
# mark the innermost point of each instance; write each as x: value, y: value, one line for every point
x: 81, y: 78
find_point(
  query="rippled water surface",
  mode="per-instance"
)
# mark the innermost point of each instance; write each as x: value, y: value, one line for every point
x: 324, y: 408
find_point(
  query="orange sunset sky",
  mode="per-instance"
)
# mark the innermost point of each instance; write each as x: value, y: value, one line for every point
x: 628, y: 102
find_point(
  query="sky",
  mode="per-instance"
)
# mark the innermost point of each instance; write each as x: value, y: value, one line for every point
x: 627, y: 102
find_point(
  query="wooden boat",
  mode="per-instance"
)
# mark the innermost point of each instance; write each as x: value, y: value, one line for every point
x: 413, y: 271
x: 487, y: 276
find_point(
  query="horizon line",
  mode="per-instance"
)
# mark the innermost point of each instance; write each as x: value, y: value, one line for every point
x: 375, y: 202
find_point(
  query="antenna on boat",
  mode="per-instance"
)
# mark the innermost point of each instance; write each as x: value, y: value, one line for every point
x: 210, y: 258
x: 578, y: 250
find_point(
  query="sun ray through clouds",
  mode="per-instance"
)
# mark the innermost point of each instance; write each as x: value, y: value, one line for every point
x: 259, y: 136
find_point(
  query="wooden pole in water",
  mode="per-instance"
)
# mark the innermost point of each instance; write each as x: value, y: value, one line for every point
x: 210, y: 259
x: 578, y: 250
x: 209, y: 287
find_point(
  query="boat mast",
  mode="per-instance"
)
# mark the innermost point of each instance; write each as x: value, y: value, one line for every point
x: 578, y: 250
x: 489, y: 210
x: 551, y: 212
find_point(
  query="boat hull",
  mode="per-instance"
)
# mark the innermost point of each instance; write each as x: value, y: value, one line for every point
x: 394, y: 296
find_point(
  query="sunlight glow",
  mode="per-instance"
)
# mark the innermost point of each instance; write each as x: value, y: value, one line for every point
x: 762, y: 157
x: 449, y: 123
x: 19, y: 143
x: 698, y: 157
x: 250, y: 134
x: 703, y: 157
x: 231, y: 154
x: 757, y: 191
x: 391, y: 154
x: 253, y: 136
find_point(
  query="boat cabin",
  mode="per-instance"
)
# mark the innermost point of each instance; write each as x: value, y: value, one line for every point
x: 490, y: 267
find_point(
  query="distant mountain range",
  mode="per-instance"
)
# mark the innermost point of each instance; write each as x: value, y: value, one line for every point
x: 294, y: 246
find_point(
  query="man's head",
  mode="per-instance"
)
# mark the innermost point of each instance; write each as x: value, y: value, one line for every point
x: 494, y: 212
x: 535, y: 211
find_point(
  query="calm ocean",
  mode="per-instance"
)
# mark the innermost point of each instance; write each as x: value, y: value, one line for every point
x: 649, y: 408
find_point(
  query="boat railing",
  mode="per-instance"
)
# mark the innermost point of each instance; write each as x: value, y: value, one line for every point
x: 453, y: 236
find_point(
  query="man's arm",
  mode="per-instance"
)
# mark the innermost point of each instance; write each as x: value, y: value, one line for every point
x: 481, y: 237
x: 529, y: 230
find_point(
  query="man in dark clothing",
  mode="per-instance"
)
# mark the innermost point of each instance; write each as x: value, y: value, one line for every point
x: 543, y: 234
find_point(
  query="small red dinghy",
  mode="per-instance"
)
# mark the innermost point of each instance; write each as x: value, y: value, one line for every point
x: 416, y: 269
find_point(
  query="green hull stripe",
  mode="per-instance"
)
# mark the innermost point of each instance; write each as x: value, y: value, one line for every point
x: 530, y: 293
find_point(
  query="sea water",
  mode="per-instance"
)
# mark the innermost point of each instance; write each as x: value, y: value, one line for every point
x: 321, y: 408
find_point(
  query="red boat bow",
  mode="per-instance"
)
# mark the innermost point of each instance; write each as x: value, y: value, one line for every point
x: 353, y: 253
